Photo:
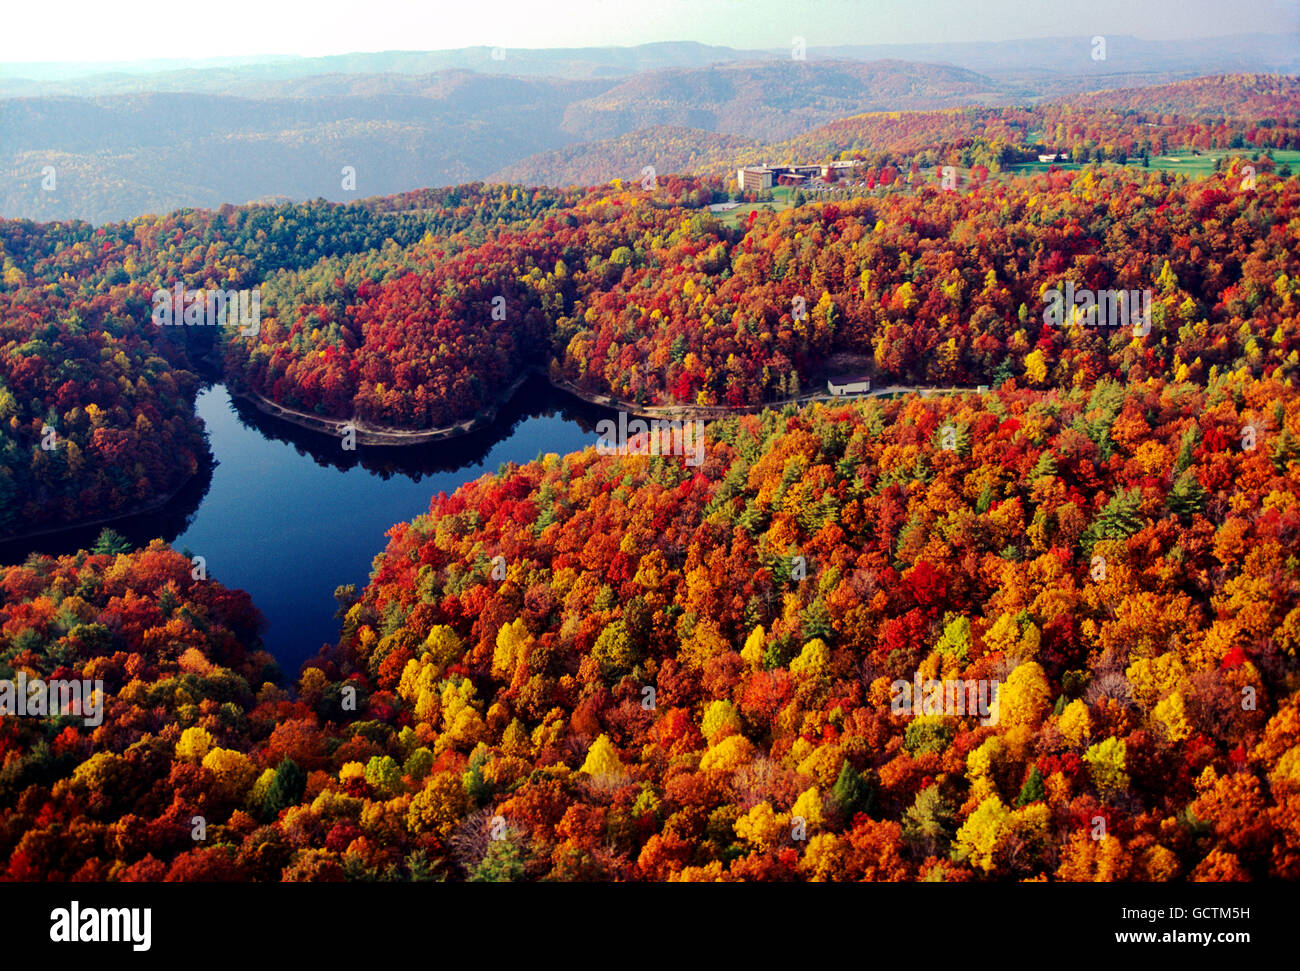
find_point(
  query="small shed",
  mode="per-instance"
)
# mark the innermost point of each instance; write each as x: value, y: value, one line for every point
x: 848, y: 384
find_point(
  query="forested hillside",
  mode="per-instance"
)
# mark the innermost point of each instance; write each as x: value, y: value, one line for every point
x: 121, y: 157
x: 96, y: 402
x: 777, y: 99
x: 420, y: 311
x: 651, y: 304
x: 665, y: 148
x: 1211, y: 112
x: 687, y: 673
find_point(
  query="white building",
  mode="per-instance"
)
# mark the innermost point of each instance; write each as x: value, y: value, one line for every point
x: 754, y: 178
x: 847, y: 385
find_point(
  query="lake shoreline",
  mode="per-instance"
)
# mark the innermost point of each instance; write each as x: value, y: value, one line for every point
x: 385, y: 436
x: 117, y: 517
x: 372, y: 435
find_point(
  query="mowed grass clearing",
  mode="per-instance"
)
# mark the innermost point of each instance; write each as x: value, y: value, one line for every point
x: 735, y: 218
x: 1181, y: 161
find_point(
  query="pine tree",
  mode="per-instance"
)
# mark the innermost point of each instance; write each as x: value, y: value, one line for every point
x: 286, y: 788
x: 851, y: 792
x: 817, y: 621
x: 1033, y: 789
x: 503, y: 863
x: 1119, y: 519
x: 1046, y: 465
x: 1187, y: 447
x: 111, y: 542
x: 1187, y: 496
x: 1285, y: 451
x: 929, y: 819
x: 476, y: 787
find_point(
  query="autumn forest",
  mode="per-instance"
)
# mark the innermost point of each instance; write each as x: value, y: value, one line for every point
x: 633, y: 667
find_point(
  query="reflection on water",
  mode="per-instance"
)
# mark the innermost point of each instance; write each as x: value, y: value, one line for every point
x: 535, y: 398
x: 167, y: 521
x: 288, y: 515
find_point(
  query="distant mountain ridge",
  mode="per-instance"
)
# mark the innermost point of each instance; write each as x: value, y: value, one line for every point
x: 1239, y: 96
x: 778, y: 99
x: 1038, y: 59
x: 118, y: 156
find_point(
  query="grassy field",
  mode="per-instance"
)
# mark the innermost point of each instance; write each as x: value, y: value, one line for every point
x: 735, y: 218
x: 1182, y: 161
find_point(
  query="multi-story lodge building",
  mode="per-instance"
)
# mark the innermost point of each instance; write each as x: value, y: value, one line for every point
x: 756, y: 178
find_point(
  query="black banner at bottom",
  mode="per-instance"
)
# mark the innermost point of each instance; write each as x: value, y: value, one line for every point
x: 233, y: 922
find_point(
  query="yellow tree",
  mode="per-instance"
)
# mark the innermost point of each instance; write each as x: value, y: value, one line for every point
x: 720, y: 719
x: 438, y: 806
x: 980, y: 835
x: 602, y: 759
x: 233, y: 770
x: 1106, y: 765
x: 762, y: 826
x: 513, y: 640
x: 808, y: 807
x: 195, y: 743
x: 1024, y: 699
x: 1075, y: 725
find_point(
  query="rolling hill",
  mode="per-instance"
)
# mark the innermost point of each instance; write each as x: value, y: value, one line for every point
x: 668, y: 148
x: 778, y: 99
x: 119, y: 156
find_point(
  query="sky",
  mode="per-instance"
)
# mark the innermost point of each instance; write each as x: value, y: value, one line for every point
x: 92, y: 30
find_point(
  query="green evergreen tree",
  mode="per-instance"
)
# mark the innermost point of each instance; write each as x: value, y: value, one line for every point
x: 817, y: 621
x: 851, y: 792
x: 111, y: 542
x: 503, y: 863
x: 929, y: 820
x: 286, y: 788
x: 476, y: 787
x: 1187, y: 447
x: 1284, y: 450
x: 1119, y: 519
x: 1046, y: 465
x: 1187, y: 496
x: 1033, y: 789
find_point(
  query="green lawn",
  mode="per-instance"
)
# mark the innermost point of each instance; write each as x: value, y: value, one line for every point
x: 1181, y: 161
x: 735, y: 218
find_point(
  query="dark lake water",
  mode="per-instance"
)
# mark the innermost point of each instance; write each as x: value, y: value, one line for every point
x: 288, y: 515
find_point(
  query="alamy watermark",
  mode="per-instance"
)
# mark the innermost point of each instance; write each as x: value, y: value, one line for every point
x: 39, y: 699
x: 948, y: 697
x: 76, y: 924
x: 657, y: 437
x: 208, y: 308
x: 1098, y: 308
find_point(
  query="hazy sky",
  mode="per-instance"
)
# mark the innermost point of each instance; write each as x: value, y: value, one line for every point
x: 95, y: 30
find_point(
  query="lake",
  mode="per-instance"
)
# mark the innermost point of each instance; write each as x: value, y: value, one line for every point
x: 287, y: 515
